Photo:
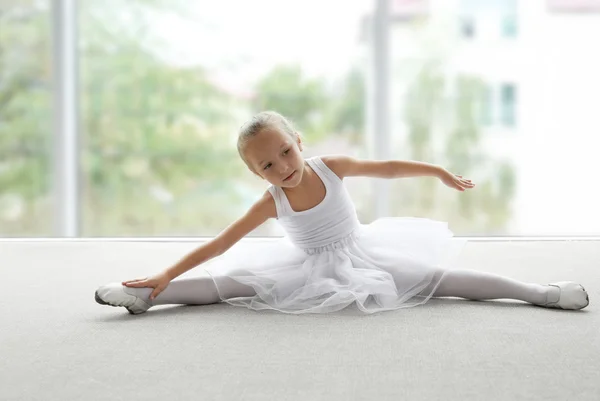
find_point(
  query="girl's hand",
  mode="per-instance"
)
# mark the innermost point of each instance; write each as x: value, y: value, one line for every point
x: 455, y: 181
x: 159, y: 282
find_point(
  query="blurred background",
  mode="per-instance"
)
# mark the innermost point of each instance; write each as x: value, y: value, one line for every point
x: 119, y: 118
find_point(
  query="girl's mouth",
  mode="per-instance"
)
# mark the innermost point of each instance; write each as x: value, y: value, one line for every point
x: 290, y: 176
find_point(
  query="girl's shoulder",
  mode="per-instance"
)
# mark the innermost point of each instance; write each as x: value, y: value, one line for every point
x: 335, y: 163
x: 266, y: 204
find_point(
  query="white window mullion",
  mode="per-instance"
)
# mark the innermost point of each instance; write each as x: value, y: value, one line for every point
x: 381, y: 101
x: 65, y: 176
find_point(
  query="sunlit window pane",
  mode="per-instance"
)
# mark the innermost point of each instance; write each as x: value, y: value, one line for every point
x: 165, y: 86
x: 25, y: 119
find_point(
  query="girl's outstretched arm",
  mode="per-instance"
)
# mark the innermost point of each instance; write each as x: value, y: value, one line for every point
x: 258, y: 213
x: 345, y: 166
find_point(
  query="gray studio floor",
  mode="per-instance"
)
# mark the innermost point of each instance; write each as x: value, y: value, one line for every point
x: 57, y: 343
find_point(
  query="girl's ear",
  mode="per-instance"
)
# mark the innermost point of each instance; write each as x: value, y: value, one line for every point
x: 299, y: 140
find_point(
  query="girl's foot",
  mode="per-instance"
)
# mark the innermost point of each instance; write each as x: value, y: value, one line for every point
x: 567, y: 295
x: 114, y: 295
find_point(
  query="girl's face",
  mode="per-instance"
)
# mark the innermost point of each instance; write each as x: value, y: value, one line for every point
x: 275, y: 156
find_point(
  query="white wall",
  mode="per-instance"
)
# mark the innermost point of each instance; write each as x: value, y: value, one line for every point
x: 560, y: 123
x: 556, y: 70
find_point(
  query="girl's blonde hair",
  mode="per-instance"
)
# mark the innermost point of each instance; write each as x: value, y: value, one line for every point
x: 263, y: 120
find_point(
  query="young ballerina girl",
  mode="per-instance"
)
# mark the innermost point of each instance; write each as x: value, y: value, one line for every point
x: 328, y: 259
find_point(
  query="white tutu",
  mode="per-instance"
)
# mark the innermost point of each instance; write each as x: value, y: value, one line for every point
x: 389, y: 264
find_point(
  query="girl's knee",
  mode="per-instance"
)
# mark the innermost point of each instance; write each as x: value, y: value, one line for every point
x: 231, y: 288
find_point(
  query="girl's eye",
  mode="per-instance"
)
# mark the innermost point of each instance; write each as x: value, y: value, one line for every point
x: 267, y: 166
x: 286, y: 152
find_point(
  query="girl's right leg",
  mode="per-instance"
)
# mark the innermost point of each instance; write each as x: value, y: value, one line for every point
x: 193, y: 291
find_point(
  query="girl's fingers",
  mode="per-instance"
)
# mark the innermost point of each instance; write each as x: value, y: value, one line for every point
x: 133, y: 281
x: 461, y: 185
x: 138, y: 284
x: 155, y: 293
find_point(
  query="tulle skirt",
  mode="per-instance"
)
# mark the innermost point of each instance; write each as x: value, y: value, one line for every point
x: 389, y: 264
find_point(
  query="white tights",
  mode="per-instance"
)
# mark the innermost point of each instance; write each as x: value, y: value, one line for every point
x: 473, y: 284
x: 469, y: 284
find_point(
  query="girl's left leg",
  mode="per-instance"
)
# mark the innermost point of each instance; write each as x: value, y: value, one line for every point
x: 472, y: 284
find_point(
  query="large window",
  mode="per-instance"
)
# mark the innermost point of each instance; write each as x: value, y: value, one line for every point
x: 25, y: 118
x: 162, y: 87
